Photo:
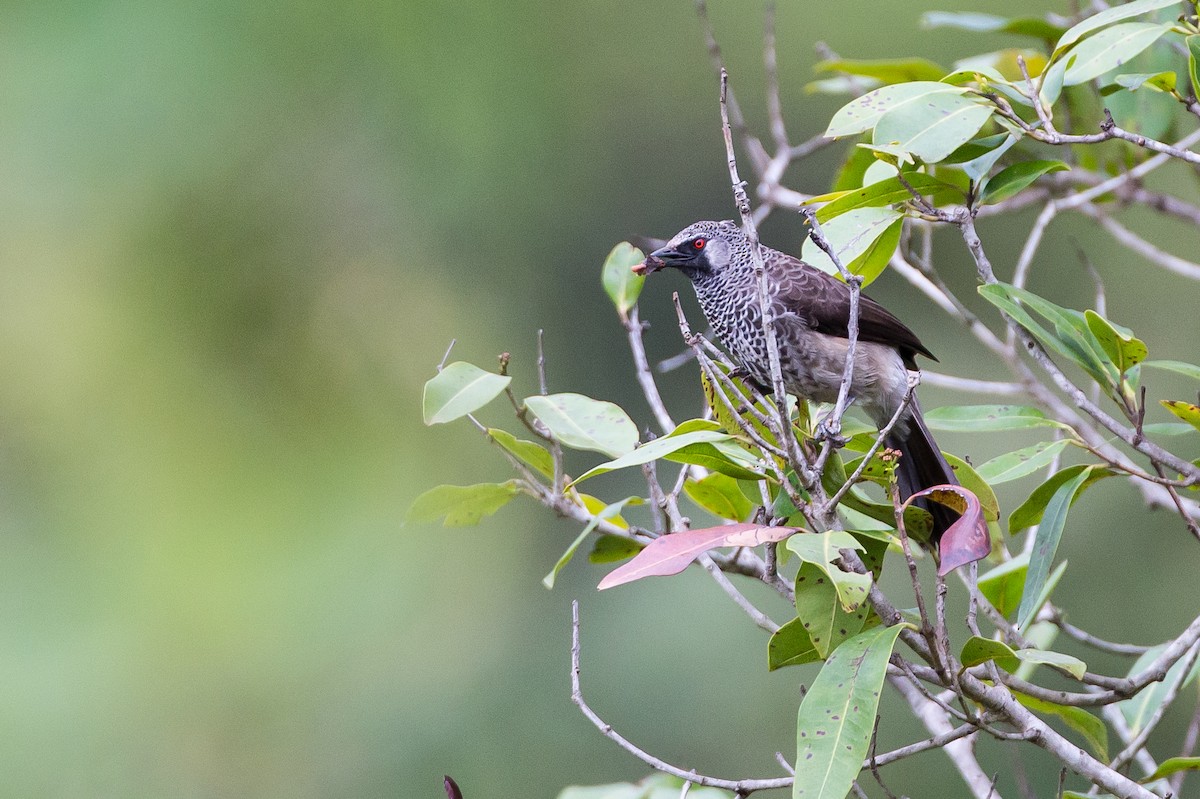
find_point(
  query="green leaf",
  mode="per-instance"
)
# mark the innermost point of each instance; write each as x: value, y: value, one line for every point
x: 1111, y: 48
x: 1172, y: 765
x: 608, y: 512
x: 791, y: 645
x: 658, y: 448
x: 986, y: 418
x: 622, y: 285
x: 1065, y: 663
x: 1179, y: 367
x: 1045, y: 545
x: 720, y: 495
x: 871, y: 263
x: 980, y: 650
x: 460, y: 389
x: 1168, y: 429
x: 988, y: 23
x: 970, y: 480
x: 1094, y: 733
x: 885, y: 192
x: 933, y: 126
x: 1071, y: 337
x: 1184, y: 410
x: 1108, y: 17
x: 1158, y: 81
x: 613, y: 548
x: 978, y: 167
x: 1030, y: 511
x: 656, y: 786
x: 1138, y: 709
x: 837, y: 716
x: 1012, y: 179
x: 581, y: 422
x: 819, y: 609
x: 860, y: 115
x: 531, y: 454
x: 1193, y: 47
x: 821, y: 550
x: 1019, y: 463
x: 851, y: 236
x: 1119, y: 343
x: 463, y: 506
x: 892, y: 70
x: 725, y: 457
x: 1003, y: 585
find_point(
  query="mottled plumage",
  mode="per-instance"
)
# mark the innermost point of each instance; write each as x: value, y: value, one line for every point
x: 812, y: 310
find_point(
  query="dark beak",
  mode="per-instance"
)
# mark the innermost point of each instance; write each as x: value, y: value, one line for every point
x: 659, y: 259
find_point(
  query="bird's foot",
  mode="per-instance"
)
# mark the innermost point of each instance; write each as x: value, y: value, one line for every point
x: 740, y: 373
x: 831, y: 430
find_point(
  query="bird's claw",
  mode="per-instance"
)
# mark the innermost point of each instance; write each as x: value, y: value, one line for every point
x: 831, y: 430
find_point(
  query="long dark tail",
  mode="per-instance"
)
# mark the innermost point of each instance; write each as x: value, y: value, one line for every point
x: 922, y: 466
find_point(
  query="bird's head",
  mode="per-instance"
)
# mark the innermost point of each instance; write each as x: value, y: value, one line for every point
x: 697, y: 250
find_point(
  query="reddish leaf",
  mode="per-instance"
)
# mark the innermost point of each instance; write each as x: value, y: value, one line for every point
x: 452, y: 791
x: 967, y: 540
x: 671, y: 554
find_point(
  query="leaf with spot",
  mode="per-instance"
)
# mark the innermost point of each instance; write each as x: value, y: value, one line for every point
x: 1184, y: 410
x: 671, y: 554
x: 462, y: 506
x: 791, y: 645
x: 821, y: 550
x: 1022, y: 462
x: 933, y: 126
x: 819, y: 610
x: 1111, y: 48
x: 620, y: 282
x: 837, y: 716
x: 973, y: 482
x: 459, y: 389
x: 607, y: 513
x: 581, y: 422
x: 859, y: 116
x: 528, y: 452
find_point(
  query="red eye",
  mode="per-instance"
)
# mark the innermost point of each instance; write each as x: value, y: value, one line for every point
x: 698, y: 244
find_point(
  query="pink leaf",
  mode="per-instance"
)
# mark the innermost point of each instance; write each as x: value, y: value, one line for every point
x: 671, y: 554
x: 967, y: 540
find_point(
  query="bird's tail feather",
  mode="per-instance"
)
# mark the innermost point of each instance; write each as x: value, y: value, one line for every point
x: 921, y: 466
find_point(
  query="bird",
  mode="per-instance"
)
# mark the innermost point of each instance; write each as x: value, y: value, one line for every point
x: 811, y: 310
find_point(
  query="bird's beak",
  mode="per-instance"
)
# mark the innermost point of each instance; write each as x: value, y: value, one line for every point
x: 659, y: 259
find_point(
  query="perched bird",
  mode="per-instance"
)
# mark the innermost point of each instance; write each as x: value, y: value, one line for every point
x: 811, y: 311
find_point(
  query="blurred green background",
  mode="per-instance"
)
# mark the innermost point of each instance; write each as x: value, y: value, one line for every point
x: 237, y: 238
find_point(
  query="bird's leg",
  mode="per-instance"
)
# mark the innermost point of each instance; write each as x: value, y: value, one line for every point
x: 830, y: 429
x: 741, y: 373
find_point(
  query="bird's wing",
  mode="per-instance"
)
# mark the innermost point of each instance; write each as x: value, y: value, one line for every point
x: 823, y: 303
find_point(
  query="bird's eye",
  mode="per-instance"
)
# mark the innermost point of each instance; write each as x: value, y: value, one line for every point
x: 698, y: 244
